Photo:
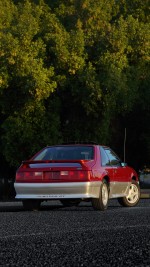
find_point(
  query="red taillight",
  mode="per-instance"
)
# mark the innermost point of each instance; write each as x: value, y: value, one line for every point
x: 72, y: 173
x: 52, y: 176
x: 25, y: 165
x: 75, y: 176
x: 28, y: 176
x: 19, y: 176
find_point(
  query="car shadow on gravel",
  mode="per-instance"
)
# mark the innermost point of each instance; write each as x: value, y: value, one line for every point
x: 52, y: 205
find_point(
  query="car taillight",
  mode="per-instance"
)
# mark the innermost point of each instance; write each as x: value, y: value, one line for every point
x: 28, y: 176
x: 75, y: 175
x: 53, y: 176
x: 25, y: 165
x: 66, y: 176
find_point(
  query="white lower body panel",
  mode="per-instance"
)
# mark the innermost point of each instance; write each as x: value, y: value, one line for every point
x: 119, y: 189
x: 81, y: 190
x: 57, y: 190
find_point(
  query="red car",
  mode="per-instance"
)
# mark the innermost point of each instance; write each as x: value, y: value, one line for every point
x: 76, y: 172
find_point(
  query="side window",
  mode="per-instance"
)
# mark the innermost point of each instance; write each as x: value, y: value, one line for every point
x: 104, y: 158
x: 114, y: 159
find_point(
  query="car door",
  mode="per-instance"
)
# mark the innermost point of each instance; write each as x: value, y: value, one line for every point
x: 120, y: 182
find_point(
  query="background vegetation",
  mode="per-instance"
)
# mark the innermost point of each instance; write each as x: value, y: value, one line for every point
x: 74, y: 70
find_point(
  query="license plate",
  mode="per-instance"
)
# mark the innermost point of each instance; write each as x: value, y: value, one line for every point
x: 52, y: 175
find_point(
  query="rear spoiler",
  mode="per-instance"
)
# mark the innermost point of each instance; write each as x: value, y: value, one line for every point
x: 80, y: 161
x: 54, y: 161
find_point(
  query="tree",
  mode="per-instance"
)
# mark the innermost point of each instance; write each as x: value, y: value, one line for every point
x: 26, y: 83
x: 72, y: 70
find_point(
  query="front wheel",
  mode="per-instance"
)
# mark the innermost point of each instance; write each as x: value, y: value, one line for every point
x: 133, y: 197
x: 101, y: 203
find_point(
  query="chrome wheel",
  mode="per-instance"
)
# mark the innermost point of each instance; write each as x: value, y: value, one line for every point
x: 101, y: 203
x: 133, y: 194
x: 105, y: 194
x: 133, y: 197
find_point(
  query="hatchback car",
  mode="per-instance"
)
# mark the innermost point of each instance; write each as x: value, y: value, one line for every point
x: 76, y: 172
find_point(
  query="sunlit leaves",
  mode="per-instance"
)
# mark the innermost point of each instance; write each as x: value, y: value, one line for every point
x: 91, y: 57
x: 23, y: 54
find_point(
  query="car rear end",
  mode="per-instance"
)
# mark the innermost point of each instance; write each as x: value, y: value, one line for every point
x: 58, y: 172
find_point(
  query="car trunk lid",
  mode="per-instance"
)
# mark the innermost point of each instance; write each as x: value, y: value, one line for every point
x: 54, y: 171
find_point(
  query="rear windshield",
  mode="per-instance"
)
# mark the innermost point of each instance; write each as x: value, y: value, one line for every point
x: 66, y: 153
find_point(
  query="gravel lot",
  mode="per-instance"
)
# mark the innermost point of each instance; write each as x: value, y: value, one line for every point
x: 76, y: 236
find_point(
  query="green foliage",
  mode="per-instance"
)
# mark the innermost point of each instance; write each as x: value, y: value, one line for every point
x: 26, y: 82
x: 71, y: 70
x: 30, y: 130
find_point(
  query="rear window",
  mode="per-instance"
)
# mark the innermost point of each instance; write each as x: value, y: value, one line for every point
x: 66, y: 153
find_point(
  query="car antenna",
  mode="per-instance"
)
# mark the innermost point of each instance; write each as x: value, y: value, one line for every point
x: 125, y: 145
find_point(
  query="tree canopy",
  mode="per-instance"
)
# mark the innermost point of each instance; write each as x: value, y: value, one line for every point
x: 74, y: 70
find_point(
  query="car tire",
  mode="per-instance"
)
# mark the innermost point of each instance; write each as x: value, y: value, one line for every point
x: 133, y: 197
x: 31, y: 204
x: 70, y: 202
x: 101, y: 203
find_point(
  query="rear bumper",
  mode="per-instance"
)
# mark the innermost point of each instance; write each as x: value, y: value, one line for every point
x: 57, y: 190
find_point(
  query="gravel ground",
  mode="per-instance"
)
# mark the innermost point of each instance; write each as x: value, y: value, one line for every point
x: 76, y: 236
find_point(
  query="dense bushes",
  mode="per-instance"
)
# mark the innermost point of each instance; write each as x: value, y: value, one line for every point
x: 74, y: 70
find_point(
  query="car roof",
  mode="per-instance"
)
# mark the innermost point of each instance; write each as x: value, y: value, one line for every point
x: 80, y: 143
x: 77, y: 144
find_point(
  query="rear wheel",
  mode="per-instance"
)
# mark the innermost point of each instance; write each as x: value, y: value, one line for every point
x: 70, y: 202
x: 101, y: 203
x: 133, y: 197
x: 31, y: 204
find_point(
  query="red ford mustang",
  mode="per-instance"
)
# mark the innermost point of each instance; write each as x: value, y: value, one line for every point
x: 76, y: 172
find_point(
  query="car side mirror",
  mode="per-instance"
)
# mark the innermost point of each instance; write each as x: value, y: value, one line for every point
x: 123, y: 164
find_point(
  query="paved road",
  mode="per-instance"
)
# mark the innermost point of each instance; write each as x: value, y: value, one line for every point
x: 77, y: 236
